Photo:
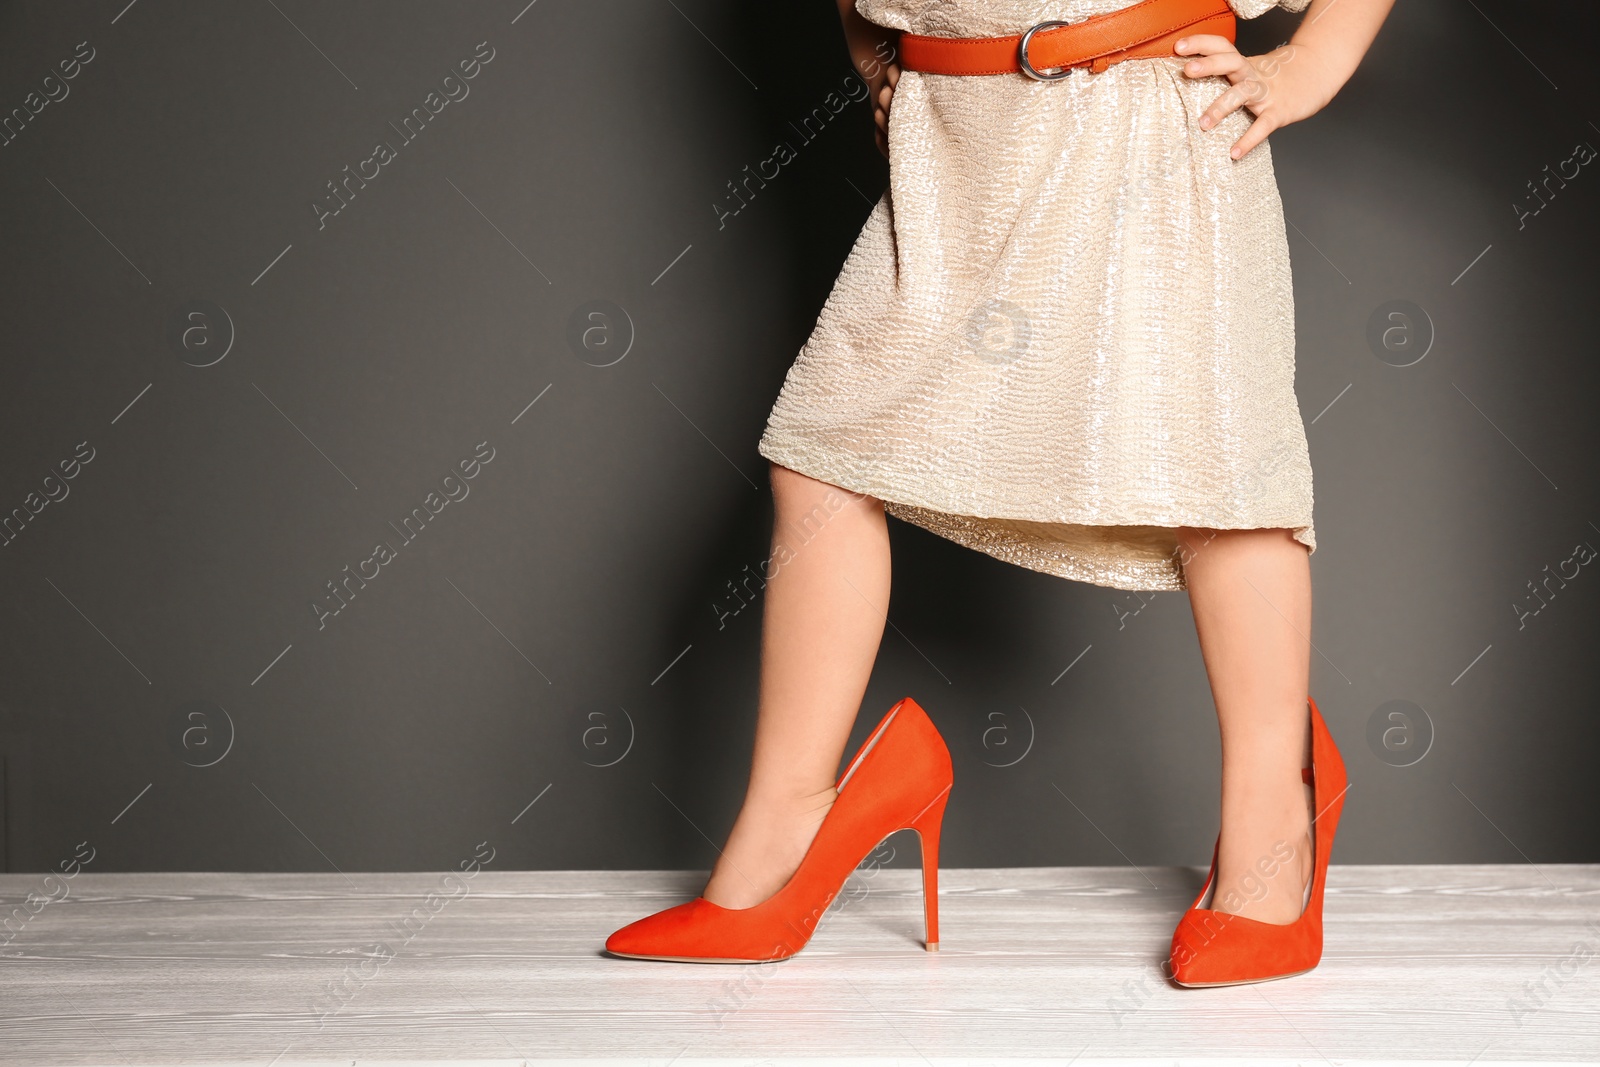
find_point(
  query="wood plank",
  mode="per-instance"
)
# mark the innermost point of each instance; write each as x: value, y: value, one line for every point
x: 1443, y: 964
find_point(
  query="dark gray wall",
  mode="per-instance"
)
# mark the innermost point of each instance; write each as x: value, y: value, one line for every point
x: 574, y: 608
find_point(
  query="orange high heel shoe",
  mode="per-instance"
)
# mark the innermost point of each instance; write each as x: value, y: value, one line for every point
x: 1212, y: 948
x: 899, y: 779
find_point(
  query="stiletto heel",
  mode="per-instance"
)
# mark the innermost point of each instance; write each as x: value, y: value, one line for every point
x: 1212, y: 947
x: 927, y: 826
x: 899, y: 779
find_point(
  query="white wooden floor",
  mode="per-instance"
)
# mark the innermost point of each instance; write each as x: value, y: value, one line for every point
x: 1479, y: 965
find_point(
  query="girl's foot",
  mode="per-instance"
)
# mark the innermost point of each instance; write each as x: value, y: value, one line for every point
x: 768, y: 841
x: 1265, y: 857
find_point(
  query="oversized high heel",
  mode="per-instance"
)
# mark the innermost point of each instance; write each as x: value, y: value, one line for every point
x: 1211, y: 948
x: 899, y: 779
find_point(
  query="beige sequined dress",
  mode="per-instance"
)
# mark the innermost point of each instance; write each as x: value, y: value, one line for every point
x: 1067, y: 328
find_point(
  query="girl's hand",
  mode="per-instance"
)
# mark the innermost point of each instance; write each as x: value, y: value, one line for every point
x: 1283, y: 86
x: 882, y: 94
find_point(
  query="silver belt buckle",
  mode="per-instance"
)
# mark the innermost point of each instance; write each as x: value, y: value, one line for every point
x: 1022, y: 55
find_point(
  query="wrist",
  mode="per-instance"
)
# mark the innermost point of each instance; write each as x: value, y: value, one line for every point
x: 1304, y: 67
x: 1327, y: 67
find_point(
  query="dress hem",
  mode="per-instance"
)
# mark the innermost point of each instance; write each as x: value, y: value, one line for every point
x: 993, y: 535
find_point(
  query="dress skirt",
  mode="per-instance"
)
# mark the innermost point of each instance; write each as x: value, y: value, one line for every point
x: 1067, y: 327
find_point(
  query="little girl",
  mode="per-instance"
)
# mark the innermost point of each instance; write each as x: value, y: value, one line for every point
x: 1065, y: 337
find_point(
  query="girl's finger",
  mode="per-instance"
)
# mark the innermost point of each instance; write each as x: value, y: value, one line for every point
x: 892, y: 73
x: 1253, y: 136
x: 1221, y: 63
x: 1204, y: 44
x: 1230, y: 101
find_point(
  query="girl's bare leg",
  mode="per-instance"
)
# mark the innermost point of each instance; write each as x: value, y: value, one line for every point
x: 821, y: 626
x: 1251, y: 595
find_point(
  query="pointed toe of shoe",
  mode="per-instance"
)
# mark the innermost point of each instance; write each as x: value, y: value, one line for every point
x: 1220, y: 948
x: 630, y: 940
x: 1196, y: 961
x: 658, y: 936
x: 698, y: 932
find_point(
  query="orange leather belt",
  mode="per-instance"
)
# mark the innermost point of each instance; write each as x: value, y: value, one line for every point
x: 1049, y: 50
